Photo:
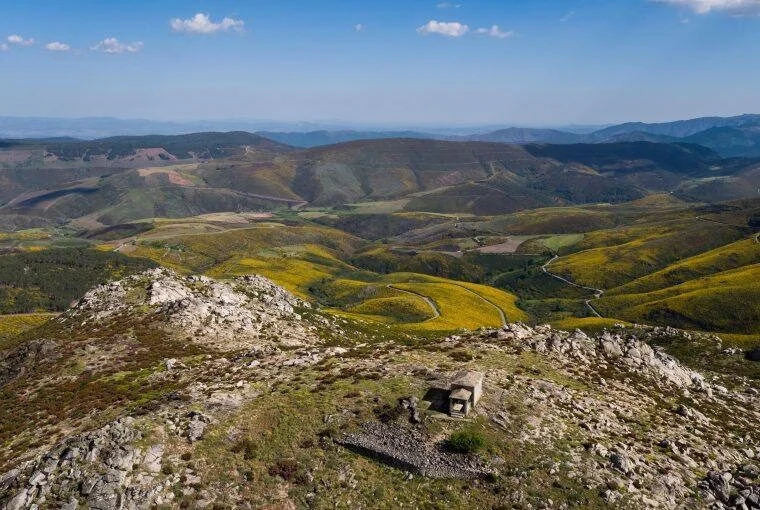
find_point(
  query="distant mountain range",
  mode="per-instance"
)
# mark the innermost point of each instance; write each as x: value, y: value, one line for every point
x: 737, y: 136
x: 115, y: 180
x: 728, y: 136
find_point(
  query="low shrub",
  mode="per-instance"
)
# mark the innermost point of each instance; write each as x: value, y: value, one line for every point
x: 466, y: 441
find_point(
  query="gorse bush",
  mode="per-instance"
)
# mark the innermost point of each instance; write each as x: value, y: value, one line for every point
x: 467, y: 441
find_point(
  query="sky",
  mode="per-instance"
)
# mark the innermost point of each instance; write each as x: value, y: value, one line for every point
x: 384, y: 62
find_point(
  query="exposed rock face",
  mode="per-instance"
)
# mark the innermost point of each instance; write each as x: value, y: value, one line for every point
x: 737, y: 489
x: 630, y: 352
x: 247, y: 311
x: 102, y: 470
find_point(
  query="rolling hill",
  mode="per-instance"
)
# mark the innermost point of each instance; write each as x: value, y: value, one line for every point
x: 729, y: 136
x: 117, y: 180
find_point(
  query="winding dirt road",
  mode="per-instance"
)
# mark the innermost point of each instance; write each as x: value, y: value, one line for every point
x: 498, y: 308
x: 597, y: 292
x: 430, y: 302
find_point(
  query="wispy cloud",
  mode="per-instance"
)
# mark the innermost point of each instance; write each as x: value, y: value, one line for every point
x: 201, y: 24
x: 3, y: 47
x: 567, y: 17
x: 448, y: 5
x: 57, y: 46
x: 359, y: 27
x: 113, y: 46
x: 496, y: 32
x: 19, y: 41
x: 733, y: 7
x: 448, y: 29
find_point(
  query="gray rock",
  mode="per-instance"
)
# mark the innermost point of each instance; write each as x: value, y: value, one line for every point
x: 152, y: 460
x: 410, y: 451
x: 18, y: 501
x: 197, y: 426
x: 73, y: 504
x: 621, y: 462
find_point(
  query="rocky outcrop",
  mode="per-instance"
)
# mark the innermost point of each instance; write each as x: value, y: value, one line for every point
x: 739, y: 489
x: 247, y: 311
x: 101, y: 470
x: 627, y: 351
x: 609, y: 414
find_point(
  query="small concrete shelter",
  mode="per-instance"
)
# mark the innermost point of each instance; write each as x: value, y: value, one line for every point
x: 465, y: 392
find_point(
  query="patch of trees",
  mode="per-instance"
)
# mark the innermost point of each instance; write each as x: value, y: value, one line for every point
x: 680, y: 158
x: 50, y: 280
x: 754, y: 221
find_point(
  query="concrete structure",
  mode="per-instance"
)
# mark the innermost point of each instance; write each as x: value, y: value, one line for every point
x: 465, y: 391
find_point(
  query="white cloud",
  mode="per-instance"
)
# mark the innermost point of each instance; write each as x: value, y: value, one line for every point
x: 496, y: 32
x: 3, y: 47
x: 20, y: 41
x: 113, y: 46
x: 57, y: 46
x: 202, y: 24
x: 448, y: 5
x: 567, y: 16
x: 359, y: 27
x: 734, y: 7
x: 448, y: 29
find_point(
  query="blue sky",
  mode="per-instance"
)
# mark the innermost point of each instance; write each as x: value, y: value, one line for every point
x: 402, y: 62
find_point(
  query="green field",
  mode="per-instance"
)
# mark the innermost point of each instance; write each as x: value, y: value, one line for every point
x: 659, y: 260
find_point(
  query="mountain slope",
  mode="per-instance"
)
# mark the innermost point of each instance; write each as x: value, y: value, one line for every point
x: 195, y: 145
x: 528, y: 135
x: 678, y: 129
x: 316, y: 138
x: 162, y: 390
x: 130, y: 178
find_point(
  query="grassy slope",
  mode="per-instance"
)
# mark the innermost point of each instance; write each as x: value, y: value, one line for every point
x: 728, y: 301
x: 307, y: 260
x: 612, y: 258
x: 731, y: 256
x: 13, y: 325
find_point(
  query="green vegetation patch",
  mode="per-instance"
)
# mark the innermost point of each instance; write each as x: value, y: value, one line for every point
x: 50, y: 280
x: 13, y: 325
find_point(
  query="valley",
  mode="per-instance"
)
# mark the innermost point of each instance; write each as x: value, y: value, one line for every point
x: 383, y: 229
x: 186, y: 322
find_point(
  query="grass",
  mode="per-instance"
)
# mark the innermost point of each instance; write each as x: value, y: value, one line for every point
x: 281, y: 433
x: 296, y: 268
x: 731, y: 256
x: 203, y: 253
x: 281, y: 445
x: 467, y: 441
x: 728, y: 301
x: 559, y: 242
x: 458, y: 308
x: 399, y: 309
x: 501, y: 299
x: 612, y: 258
